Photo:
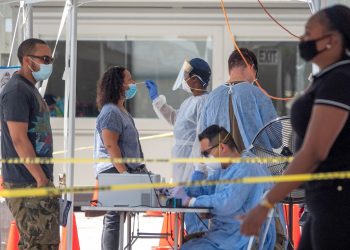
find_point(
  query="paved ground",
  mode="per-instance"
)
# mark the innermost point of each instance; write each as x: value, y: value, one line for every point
x: 89, y: 231
x: 5, y: 221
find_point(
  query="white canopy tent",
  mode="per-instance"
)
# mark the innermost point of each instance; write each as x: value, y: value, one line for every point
x: 69, y: 17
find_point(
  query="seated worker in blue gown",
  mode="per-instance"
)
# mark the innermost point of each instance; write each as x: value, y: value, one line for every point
x: 227, y: 200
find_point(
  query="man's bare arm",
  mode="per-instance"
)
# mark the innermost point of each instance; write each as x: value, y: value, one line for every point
x: 24, y: 148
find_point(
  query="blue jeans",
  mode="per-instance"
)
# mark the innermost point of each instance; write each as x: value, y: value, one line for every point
x: 111, y: 225
x: 110, y: 233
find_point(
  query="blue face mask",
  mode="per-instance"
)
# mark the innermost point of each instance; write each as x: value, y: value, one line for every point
x: 43, y: 73
x: 131, y: 92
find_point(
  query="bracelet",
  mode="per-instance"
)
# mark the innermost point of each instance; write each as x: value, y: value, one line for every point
x: 266, y: 204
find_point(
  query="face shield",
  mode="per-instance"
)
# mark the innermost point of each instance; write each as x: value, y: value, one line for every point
x: 183, y: 74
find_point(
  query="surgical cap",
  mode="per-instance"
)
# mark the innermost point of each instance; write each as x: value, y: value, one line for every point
x: 202, y: 69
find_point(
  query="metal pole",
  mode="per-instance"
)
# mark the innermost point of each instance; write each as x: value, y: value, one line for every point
x: 290, y: 227
x: 121, y: 230
x: 176, y: 231
x: 129, y: 238
x: 66, y: 77
x: 317, y: 5
x: 71, y: 113
x: 15, y: 33
x: 182, y: 218
x: 28, y: 21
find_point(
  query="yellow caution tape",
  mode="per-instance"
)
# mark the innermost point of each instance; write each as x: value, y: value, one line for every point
x: 33, y: 192
x: 38, y: 160
x: 141, y: 139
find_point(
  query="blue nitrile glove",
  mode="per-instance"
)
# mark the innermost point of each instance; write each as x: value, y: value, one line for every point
x: 180, y: 193
x: 198, y: 176
x: 200, y: 172
x: 152, y: 89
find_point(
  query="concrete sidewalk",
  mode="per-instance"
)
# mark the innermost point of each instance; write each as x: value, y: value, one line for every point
x: 5, y: 221
x: 90, y: 229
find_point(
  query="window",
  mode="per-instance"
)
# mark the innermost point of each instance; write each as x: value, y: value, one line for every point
x: 157, y: 59
x: 281, y: 71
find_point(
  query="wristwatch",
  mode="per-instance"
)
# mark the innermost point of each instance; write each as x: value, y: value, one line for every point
x: 266, y: 203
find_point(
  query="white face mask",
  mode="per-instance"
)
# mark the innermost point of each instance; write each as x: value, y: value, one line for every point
x: 186, y: 87
x: 213, y: 165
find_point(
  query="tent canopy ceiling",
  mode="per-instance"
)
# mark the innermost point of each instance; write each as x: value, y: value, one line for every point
x: 168, y: 3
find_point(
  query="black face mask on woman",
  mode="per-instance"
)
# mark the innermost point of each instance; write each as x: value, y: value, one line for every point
x: 308, y: 49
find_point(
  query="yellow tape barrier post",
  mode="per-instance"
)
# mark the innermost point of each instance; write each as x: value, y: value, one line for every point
x: 32, y: 192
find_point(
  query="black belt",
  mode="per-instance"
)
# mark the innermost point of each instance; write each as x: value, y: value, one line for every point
x: 139, y: 169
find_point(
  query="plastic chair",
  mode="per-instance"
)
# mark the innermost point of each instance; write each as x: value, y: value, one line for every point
x: 263, y: 236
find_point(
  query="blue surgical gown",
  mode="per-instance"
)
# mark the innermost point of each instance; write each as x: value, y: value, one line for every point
x: 228, y: 201
x: 252, y: 108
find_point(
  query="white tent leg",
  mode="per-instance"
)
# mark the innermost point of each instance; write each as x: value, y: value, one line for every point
x: 71, y: 112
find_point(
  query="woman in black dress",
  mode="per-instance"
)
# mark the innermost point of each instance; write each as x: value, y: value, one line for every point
x: 321, y: 121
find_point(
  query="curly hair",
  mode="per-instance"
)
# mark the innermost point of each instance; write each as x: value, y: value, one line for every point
x: 110, y: 86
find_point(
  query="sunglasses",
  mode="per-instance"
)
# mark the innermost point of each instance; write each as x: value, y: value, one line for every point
x: 45, y: 59
x: 206, y: 152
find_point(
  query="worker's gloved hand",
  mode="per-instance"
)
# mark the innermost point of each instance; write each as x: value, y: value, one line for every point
x: 200, y: 172
x: 198, y: 176
x: 201, y: 167
x: 152, y: 89
x: 180, y: 193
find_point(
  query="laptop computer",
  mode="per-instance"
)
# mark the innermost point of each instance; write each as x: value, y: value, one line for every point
x: 133, y: 197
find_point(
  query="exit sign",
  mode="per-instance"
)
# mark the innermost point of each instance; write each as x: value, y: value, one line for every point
x: 268, y: 56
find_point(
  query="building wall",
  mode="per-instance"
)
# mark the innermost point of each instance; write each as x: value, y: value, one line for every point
x: 142, y: 20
